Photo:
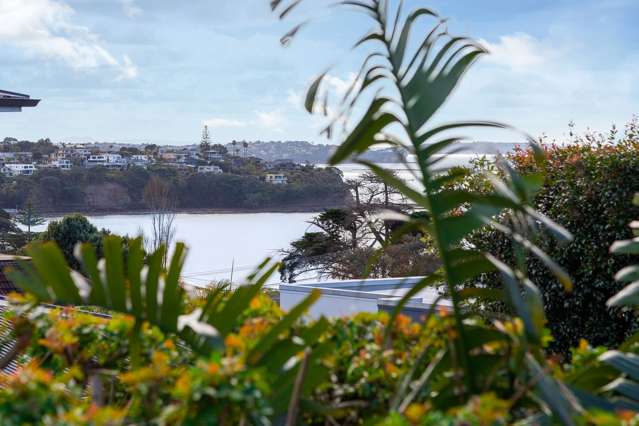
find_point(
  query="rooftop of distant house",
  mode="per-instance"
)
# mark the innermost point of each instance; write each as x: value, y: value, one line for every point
x: 6, y: 260
x: 12, y: 101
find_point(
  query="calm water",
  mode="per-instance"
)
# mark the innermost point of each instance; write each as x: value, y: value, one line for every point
x: 217, y: 241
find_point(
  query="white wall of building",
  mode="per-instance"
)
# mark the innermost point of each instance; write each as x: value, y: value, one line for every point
x: 328, y: 305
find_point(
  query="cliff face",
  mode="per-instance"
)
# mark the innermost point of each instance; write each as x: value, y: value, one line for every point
x: 94, y: 190
x: 107, y: 196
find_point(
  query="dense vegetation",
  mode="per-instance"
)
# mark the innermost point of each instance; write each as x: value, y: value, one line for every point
x: 98, y: 189
x: 588, y: 188
x: 11, y: 236
x: 40, y: 150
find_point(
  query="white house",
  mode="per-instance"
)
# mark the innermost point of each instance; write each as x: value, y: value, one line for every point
x: 209, y: 169
x: 140, y: 157
x: 174, y: 157
x: 17, y: 169
x: 140, y: 160
x: 96, y: 160
x: 81, y: 153
x: 61, y: 163
x: 214, y: 155
x: 110, y: 161
x: 276, y: 178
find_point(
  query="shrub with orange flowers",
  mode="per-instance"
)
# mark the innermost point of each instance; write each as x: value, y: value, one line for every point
x: 78, y: 370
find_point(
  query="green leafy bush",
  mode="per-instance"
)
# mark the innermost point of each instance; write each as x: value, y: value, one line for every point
x: 588, y: 189
x: 69, y: 231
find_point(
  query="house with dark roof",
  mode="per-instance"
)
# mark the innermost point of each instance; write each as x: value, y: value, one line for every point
x: 8, y: 361
x: 14, y: 102
x: 6, y: 261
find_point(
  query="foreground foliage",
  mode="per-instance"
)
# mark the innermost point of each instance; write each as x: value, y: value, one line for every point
x: 77, y: 369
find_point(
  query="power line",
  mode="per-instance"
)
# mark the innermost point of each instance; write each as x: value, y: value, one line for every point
x: 219, y: 271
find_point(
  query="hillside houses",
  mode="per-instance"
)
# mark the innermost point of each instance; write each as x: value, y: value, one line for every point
x: 109, y: 161
x: 276, y: 178
x: 18, y: 169
x: 60, y: 163
x: 24, y: 158
x: 209, y: 169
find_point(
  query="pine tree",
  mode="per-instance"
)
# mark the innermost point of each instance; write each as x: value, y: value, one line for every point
x: 28, y: 216
x: 205, y: 144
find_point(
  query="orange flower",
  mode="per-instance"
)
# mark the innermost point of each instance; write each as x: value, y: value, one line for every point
x: 583, y: 345
x: 391, y: 368
x: 233, y: 342
x: 18, y: 298
x: 415, y: 412
x: 253, y: 328
x: 256, y: 303
x: 93, y: 409
x: 213, y: 368
x: 183, y: 385
x: 138, y: 376
x: 168, y: 344
x: 403, y: 324
x: 626, y: 415
x: 159, y: 358
x: 402, y: 320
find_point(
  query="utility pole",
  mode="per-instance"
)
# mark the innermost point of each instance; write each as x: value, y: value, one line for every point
x: 232, y: 268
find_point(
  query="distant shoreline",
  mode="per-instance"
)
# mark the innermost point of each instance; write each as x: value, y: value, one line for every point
x: 292, y: 209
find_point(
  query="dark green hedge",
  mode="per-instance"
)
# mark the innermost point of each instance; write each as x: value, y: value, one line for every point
x: 589, y: 189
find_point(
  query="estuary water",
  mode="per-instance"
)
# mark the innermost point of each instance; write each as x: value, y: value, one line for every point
x: 219, y: 245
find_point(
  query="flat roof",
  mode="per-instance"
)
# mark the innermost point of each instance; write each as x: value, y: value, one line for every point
x: 11, y: 257
x: 13, y: 101
x: 382, y: 289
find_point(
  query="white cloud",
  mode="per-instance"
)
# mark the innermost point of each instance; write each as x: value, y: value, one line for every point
x: 294, y: 99
x: 45, y: 29
x: 128, y: 70
x: 540, y: 84
x: 338, y: 85
x: 270, y: 119
x: 130, y: 9
x: 518, y: 51
x: 219, y: 122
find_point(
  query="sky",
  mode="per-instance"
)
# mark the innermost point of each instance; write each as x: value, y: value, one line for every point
x: 156, y: 71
